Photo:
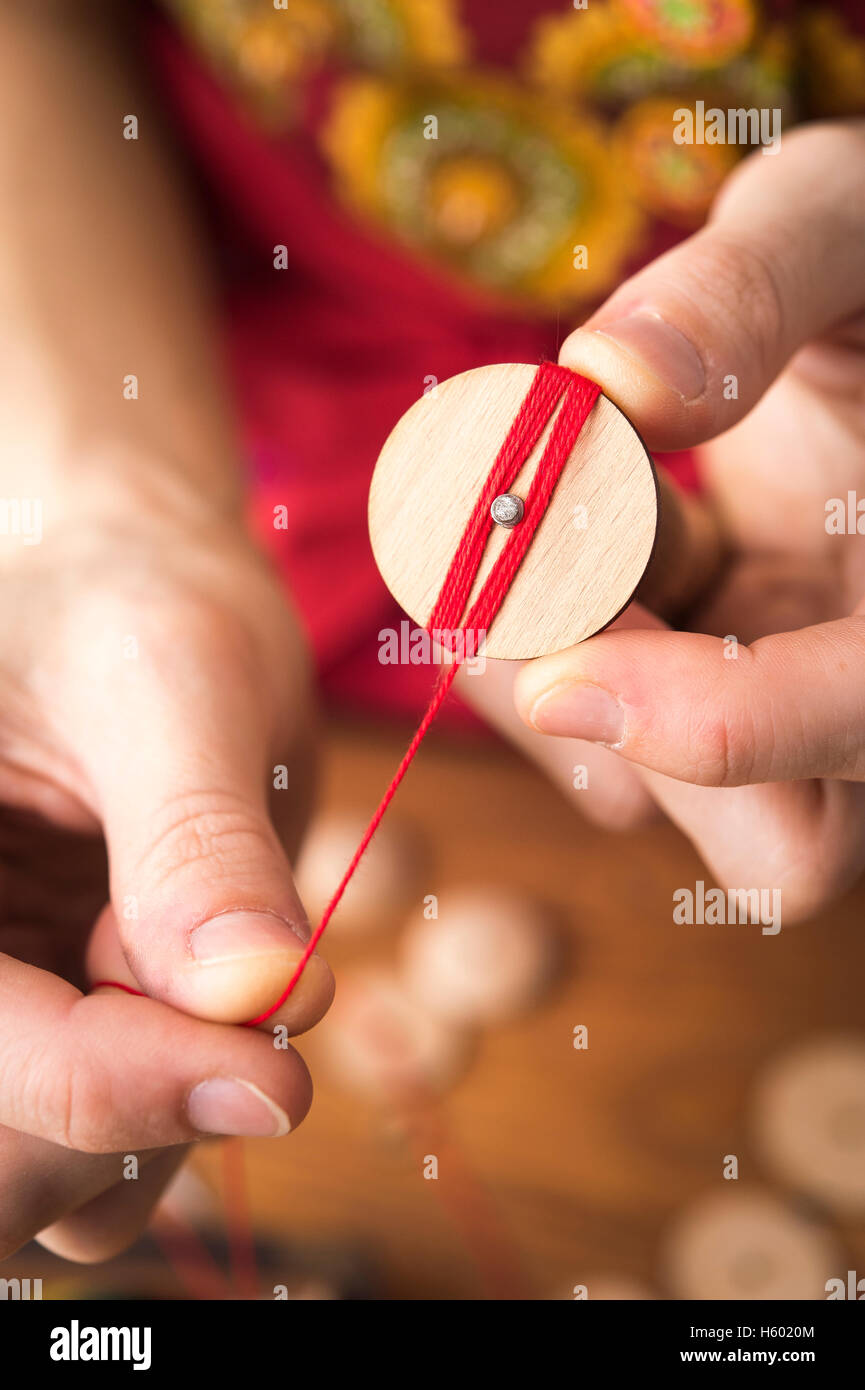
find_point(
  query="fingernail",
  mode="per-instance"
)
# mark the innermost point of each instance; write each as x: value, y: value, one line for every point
x: 576, y: 709
x: 224, y: 1105
x: 660, y: 347
x: 239, y: 935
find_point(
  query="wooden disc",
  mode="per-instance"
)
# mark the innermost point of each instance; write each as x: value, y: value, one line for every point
x: 383, y: 884
x: 590, y: 550
x: 379, y: 1041
x: 809, y: 1114
x: 485, y: 959
x: 748, y: 1245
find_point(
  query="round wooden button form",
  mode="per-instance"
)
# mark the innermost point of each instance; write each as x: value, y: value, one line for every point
x: 378, y: 1041
x: 485, y: 959
x: 380, y: 889
x: 747, y: 1245
x: 590, y: 550
x: 809, y: 1116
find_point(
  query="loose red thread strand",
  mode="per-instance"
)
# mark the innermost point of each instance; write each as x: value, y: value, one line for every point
x: 433, y: 708
x: 241, y: 1235
x: 470, y: 1206
x: 551, y: 384
x: 188, y: 1256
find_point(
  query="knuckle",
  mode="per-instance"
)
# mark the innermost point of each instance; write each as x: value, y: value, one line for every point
x: 816, y: 867
x: 79, y: 1104
x: 175, y: 629
x: 216, y: 828
x: 789, y: 844
x: 737, y: 273
x: 727, y: 744
x: 66, y: 1104
x: 188, y: 622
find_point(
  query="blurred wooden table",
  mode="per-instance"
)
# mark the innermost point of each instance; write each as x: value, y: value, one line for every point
x: 586, y: 1154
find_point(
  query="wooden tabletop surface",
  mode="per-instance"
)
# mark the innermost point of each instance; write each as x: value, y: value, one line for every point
x: 558, y: 1167
x: 579, y: 1159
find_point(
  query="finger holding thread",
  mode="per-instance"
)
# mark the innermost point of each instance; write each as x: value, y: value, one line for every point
x: 180, y: 762
x: 108, y: 968
x: 550, y: 385
x: 102, y: 1073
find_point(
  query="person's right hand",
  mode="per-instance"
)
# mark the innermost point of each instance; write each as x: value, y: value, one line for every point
x: 152, y: 680
x: 759, y: 758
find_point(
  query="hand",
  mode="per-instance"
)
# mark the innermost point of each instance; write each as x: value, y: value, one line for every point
x: 750, y: 335
x: 152, y: 680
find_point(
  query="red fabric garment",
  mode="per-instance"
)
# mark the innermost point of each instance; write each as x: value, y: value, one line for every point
x: 324, y: 357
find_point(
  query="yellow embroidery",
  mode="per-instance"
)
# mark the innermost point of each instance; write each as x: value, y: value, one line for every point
x: 503, y: 189
x: 264, y: 51
x: 676, y: 182
x: 597, y: 54
x: 260, y: 50
x: 700, y: 32
x: 517, y: 189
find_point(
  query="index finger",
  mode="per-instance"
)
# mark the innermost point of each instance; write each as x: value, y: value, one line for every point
x: 105, y: 1072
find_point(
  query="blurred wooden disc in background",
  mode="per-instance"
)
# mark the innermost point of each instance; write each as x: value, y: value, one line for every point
x: 378, y: 1040
x: 590, y: 550
x: 747, y: 1245
x: 382, y: 885
x: 809, y: 1119
x: 487, y: 956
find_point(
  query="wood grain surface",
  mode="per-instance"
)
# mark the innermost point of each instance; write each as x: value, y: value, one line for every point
x: 592, y: 1157
x: 590, y: 550
x: 602, y: 1166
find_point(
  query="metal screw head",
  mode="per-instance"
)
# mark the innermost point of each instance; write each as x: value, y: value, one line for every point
x: 507, y: 510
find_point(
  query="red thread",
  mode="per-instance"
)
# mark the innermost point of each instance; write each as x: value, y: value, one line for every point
x: 115, y: 984
x: 241, y: 1235
x: 551, y: 385
x: 435, y: 704
x: 534, y: 413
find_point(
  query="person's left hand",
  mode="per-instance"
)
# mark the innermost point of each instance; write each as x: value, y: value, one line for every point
x: 154, y: 681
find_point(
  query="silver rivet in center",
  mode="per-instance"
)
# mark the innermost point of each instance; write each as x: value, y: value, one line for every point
x: 507, y: 510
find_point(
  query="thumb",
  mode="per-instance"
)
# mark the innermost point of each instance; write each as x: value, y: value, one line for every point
x: 688, y: 345
x: 674, y: 703
x: 178, y: 754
